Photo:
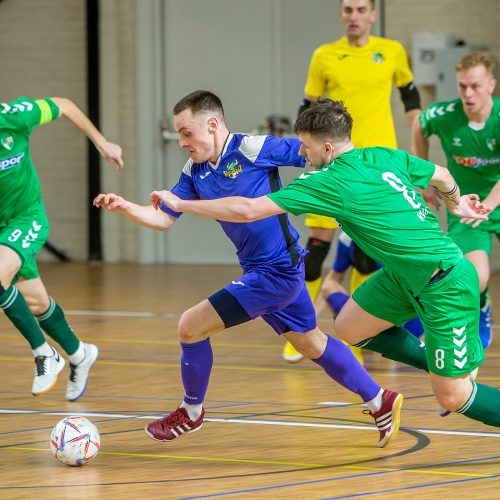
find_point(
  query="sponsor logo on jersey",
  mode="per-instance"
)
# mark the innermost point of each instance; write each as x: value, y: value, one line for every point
x: 11, y: 162
x: 491, y: 143
x: 378, y: 57
x: 7, y: 142
x: 456, y: 141
x: 202, y: 176
x: 475, y: 161
x: 342, y: 56
x: 233, y: 169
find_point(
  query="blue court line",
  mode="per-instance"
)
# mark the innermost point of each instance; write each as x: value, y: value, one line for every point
x: 354, y: 476
x: 418, y: 486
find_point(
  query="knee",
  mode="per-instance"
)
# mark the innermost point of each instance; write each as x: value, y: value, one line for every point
x: 37, y: 305
x: 311, y: 346
x: 451, y: 401
x: 188, y: 334
x: 483, y: 281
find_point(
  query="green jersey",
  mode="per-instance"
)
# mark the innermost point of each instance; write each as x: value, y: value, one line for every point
x: 19, y: 186
x: 371, y: 194
x: 472, y: 153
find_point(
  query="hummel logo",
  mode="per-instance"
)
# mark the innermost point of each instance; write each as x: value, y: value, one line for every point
x: 202, y: 176
x: 238, y: 283
x: 456, y: 141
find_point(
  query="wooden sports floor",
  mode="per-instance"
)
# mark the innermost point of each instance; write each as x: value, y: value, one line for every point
x: 272, y: 430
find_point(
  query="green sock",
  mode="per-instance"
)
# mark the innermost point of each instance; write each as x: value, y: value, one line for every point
x: 483, y: 405
x: 483, y: 297
x: 398, y: 344
x: 16, y: 309
x: 55, y: 325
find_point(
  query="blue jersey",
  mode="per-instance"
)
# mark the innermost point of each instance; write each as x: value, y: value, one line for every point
x: 248, y: 166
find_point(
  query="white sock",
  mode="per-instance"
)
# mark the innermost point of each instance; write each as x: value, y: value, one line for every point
x: 44, y: 350
x: 78, y: 356
x: 194, y: 411
x: 376, y: 403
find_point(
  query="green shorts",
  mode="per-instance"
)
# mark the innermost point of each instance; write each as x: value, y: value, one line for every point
x: 448, y: 309
x: 26, y: 234
x: 469, y: 238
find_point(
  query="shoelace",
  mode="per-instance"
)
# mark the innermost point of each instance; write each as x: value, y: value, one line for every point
x: 175, y: 418
x: 73, y: 372
x: 40, y: 365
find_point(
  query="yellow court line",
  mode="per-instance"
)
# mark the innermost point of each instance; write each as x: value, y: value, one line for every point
x: 268, y: 462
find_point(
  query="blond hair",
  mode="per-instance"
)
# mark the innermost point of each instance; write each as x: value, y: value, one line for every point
x: 484, y: 58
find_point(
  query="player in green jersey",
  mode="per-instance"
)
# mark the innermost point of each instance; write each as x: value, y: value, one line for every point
x: 469, y: 131
x: 24, y: 228
x: 371, y: 194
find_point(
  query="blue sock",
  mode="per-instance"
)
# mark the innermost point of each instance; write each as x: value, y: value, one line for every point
x: 196, y: 365
x: 337, y: 301
x: 415, y: 327
x: 339, y: 363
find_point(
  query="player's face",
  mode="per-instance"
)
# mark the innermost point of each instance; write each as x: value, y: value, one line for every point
x: 314, y: 150
x: 196, y: 135
x: 475, y: 88
x: 357, y: 16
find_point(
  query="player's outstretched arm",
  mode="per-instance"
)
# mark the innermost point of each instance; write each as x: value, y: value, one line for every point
x: 231, y: 209
x: 467, y: 207
x: 109, y: 151
x: 144, y: 215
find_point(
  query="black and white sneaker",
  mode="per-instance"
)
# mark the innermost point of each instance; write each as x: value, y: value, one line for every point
x: 47, y: 369
x: 79, y: 373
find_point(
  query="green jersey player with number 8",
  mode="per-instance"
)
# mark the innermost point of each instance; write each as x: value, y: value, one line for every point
x: 24, y: 229
x: 371, y: 193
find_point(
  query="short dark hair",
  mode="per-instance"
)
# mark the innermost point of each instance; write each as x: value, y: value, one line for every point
x: 200, y: 101
x: 326, y: 119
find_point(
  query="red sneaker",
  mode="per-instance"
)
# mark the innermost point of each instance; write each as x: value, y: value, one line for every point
x: 174, y: 425
x: 387, y: 418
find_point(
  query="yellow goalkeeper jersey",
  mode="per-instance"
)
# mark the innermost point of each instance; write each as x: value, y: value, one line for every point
x: 362, y: 78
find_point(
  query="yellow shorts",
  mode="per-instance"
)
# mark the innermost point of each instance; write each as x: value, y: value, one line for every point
x: 357, y: 279
x: 313, y: 220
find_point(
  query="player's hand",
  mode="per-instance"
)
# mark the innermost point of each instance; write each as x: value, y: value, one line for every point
x: 166, y: 197
x: 431, y: 198
x: 112, y: 153
x: 111, y: 202
x: 470, y: 210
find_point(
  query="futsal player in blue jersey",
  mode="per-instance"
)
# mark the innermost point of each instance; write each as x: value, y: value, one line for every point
x: 272, y: 285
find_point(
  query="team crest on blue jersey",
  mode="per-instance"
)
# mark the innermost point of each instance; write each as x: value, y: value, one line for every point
x: 378, y: 57
x: 233, y: 169
x: 8, y: 142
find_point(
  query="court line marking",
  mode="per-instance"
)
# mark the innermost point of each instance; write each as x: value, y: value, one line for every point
x: 284, y: 423
x: 271, y: 462
x: 313, y: 370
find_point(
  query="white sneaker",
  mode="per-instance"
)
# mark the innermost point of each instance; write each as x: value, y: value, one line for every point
x: 47, y: 369
x: 79, y: 374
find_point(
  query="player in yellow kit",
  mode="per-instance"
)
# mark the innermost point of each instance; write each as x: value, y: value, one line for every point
x: 359, y: 69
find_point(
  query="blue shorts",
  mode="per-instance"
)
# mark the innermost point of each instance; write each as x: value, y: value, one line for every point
x: 279, y: 296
